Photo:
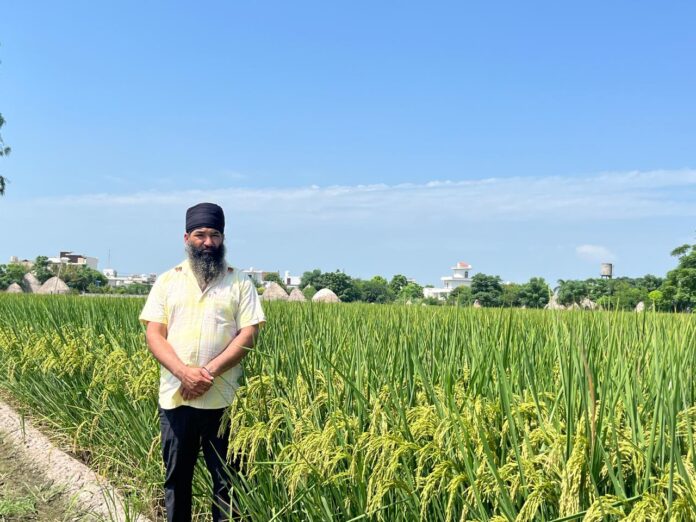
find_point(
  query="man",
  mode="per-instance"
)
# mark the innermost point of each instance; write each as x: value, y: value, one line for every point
x: 202, y: 317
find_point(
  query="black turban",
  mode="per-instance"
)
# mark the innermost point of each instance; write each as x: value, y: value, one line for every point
x: 205, y: 215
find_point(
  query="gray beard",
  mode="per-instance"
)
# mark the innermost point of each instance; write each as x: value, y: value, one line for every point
x: 206, y: 266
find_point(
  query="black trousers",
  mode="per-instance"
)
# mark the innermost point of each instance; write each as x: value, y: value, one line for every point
x: 185, y: 430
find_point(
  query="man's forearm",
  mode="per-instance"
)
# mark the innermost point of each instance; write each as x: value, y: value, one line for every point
x: 235, y: 351
x: 165, y: 354
x: 194, y: 381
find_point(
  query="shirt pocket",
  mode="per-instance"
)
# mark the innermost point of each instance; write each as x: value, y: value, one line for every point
x: 224, y: 309
x: 179, y: 301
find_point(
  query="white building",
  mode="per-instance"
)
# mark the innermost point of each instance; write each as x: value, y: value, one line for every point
x: 24, y: 262
x: 459, y: 277
x: 115, y: 280
x: 291, y: 281
x: 258, y: 276
x: 69, y: 258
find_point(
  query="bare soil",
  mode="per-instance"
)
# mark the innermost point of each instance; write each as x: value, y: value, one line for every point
x: 26, y: 495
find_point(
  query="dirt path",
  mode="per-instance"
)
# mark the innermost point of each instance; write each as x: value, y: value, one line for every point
x: 83, y: 495
x: 26, y: 495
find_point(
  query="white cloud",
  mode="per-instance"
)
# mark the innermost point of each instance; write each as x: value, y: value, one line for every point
x: 595, y: 253
x: 506, y: 226
x: 626, y: 195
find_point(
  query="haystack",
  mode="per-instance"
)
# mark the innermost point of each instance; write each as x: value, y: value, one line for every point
x: 274, y: 292
x: 574, y: 306
x: 553, y: 304
x: 588, y: 304
x: 297, y: 295
x: 30, y: 284
x: 640, y: 307
x: 54, y: 285
x: 14, y: 288
x: 325, y: 295
x: 477, y: 304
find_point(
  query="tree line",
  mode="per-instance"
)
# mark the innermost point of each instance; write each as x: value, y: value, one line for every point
x: 80, y: 279
x: 674, y: 292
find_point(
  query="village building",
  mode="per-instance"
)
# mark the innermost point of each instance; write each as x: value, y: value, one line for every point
x: 26, y: 263
x: 115, y: 280
x: 290, y: 281
x: 459, y: 277
x: 255, y: 274
x: 70, y: 258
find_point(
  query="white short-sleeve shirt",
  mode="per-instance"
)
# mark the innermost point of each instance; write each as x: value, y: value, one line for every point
x: 200, y: 325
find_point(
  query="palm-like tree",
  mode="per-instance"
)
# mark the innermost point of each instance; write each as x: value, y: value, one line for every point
x: 4, y: 151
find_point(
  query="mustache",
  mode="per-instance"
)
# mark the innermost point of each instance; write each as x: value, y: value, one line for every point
x: 203, y: 249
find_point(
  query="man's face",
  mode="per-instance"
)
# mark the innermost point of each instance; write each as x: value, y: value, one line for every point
x: 205, y: 240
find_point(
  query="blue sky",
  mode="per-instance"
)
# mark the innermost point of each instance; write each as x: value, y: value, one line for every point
x: 378, y: 138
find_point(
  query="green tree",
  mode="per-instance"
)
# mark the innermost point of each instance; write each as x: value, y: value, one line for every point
x: 12, y: 273
x: 572, y: 291
x: 410, y: 292
x: 397, y: 283
x: 96, y: 289
x: 275, y: 278
x: 312, y: 279
x: 308, y: 292
x: 594, y: 289
x: 460, y: 296
x: 679, y: 288
x: 657, y: 297
x: 626, y: 296
x: 131, y: 289
x: 379, y: 279
x: 79, y: 278
x: 649, y: 282
x: 487, y: 289
x: 340, y: 284
x: 42, y: 269
x: 511, y: 295
x: 535, y: 293
x: 682, y: 251
x: 4, y: 151
x: 376, y: 290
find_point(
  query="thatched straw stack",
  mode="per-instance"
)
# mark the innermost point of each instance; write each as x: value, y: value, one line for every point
x: 588, y: 304
x: 553, y: 304
x: 14, y: 288
x: 477, y: 304
x: 640, y: 307
x: 54, y: 285
x: 30, y: 284
x: 274, y: 292
x: 325, y: 295
x: 297, y: 295
x: 574, y: 306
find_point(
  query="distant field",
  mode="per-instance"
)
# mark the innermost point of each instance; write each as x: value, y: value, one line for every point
x: 392, y: 413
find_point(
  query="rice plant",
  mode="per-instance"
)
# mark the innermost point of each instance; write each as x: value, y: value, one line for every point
x: 388, y: 413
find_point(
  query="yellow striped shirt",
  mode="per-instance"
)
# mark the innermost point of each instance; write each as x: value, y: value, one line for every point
x: 200, y: 325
